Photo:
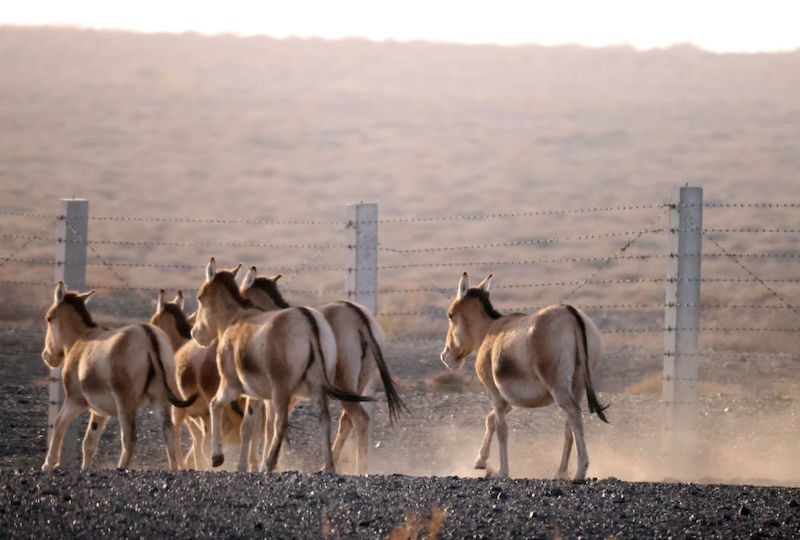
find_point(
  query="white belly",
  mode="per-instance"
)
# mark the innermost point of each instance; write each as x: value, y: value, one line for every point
x: 524, y: 392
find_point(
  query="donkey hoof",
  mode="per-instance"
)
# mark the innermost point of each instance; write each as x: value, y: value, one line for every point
x: 491, y: 473
x: 480, y: 464
x: 217, y: 460
x: 579, y: 481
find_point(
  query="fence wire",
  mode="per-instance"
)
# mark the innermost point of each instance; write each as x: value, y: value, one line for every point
x: 420, y: 267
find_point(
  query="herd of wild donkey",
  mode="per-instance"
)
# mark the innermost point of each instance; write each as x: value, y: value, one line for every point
x: 235, y: 367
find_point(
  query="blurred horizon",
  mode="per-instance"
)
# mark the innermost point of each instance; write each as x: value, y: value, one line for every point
x: 714, y: 26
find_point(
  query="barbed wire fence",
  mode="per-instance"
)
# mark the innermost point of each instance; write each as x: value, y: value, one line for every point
x: 139, y: 268
x: 613, y: 262
x: 610, y: 261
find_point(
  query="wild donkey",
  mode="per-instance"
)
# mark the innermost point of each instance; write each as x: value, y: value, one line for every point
x: 266, y: 355
x: 358, y: 339
x: 526, y: 361
x: 196, y: 372
x: 113, y: 372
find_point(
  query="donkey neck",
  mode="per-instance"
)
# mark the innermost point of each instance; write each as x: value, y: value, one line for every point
x: 75, y: 329
x: 480, y: 326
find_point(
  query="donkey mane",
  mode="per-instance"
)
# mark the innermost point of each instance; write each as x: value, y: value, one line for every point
x: 483, y: 298
x: 227, y: 280
x: 268, y: 286
x: 181, y: 323
x: 77, y: 303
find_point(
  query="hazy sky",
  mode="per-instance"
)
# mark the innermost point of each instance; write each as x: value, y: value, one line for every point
x: 718, y: 25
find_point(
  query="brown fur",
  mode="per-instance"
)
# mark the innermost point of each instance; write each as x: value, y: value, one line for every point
x: 280, y: 344
x: 525, y: 361
x: 357, y: 356
x: 196, y: 371
x: 111, y: 372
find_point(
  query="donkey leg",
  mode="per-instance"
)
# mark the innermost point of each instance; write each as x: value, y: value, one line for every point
x: 562, y: 469
x: 197, y: 459
x: 345, y: 425
x: 483, y: 454
x: 256, y: 455
x: 359, y: 419
x: 324, y: 422
x: 97, y: 423
x: 501, y: 408
x: 127, y: 426
x: 171, y: 443
x: 68, y: 411
x: 280, y: 405
x: 252, y: 410
x: 269, y: 431
x: 225, y: 396
x: 178, y: 417
x: 567, y: 401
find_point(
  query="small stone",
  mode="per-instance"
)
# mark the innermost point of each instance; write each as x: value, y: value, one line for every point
x: 744, y: 511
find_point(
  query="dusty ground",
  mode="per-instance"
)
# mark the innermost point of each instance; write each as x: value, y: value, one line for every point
x: 417, y: 468
x: 186, y: 127
x: 744, y: 437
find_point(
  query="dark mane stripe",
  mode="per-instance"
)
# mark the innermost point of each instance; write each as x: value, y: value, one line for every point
x: 181, y: 323
x: 483, y: 297
x: 227, y: 280
x: 78, y: 305
x: 271, y: 289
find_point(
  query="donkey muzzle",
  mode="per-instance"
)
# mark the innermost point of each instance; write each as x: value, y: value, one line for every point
x: 447, y: 359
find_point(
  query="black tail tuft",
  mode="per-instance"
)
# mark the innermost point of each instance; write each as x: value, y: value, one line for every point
x: 594, y: 405
x: 344, y: 395
x: 393, y: 400
x: 591, y: 397
x: 338, y: 393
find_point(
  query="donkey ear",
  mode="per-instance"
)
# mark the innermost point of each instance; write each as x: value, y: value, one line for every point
x: 85, y: 296
x: 236, y: 270
x: 160, y: 301
x: 178, y: 299
x: 463, y: 286
x: 61, y: 291
x: 249, y: 278
x: 484, y: 286
x: 276, y: 277
x: 211, y: 269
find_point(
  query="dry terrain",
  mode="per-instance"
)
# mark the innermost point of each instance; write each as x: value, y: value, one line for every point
x: 537, y: 164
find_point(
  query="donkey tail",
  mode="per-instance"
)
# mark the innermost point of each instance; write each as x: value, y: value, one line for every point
x: 395, y: 403
x: 594, y: 403
x: 316, y: 345
x: 175, y: 400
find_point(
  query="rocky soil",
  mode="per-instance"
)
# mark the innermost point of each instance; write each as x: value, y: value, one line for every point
x: 421, y: 479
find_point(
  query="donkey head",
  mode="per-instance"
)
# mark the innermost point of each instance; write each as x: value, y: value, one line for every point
x: 218, y: 301
x: 170, y: 318
x: 262, y: 291
x: 66, y: 320
x: 467, y: 315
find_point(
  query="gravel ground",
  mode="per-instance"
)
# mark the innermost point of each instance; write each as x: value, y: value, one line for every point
x: 191, y: 504
x: 417, y: 466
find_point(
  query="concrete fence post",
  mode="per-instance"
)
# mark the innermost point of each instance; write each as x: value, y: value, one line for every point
x: 361, y: 283
x: 681, y: 324
x: 70, y: 266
